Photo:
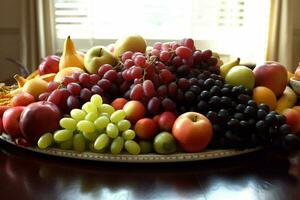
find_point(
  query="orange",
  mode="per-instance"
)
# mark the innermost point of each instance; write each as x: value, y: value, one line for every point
x: 265, y: 95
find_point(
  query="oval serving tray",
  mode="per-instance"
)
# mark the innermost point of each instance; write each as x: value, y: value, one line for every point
x: 142, y: 158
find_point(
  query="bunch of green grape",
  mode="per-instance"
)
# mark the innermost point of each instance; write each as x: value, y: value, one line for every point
x: 97, y: 127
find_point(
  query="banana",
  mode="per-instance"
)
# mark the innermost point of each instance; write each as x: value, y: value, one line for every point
x: 287, y: 100
x: 224, y: 69
x: 217, y: 56
x: 20, y: 80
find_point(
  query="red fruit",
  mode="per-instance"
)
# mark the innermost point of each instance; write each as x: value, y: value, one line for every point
x: 166, y: 121
x: 292, y: 119
x: 11, y: 121
x: 3, y: 109
x: 145, y: 128
x: 134, y: 110
x: 119, y: 103
x: 22, y: 99
x: 193, y: 131
x: 39, y: 118
x: 50, y: 64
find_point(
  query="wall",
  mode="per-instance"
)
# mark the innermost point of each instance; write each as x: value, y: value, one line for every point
x: 10, y: 42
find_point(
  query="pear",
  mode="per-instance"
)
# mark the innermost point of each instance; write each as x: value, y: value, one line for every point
x: 134, y: 43
x: 70, y: 57
x: 224, y: 69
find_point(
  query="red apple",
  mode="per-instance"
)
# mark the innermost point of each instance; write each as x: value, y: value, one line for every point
x: 119, y: 103
x: 272, y: 75
x: 1, y: 126
x: 50, y: 64
x: 292, y: 119
x: 193, y: 131
x: 11, y: 121
x: 166, y: 121
x: 145, y: 128
x: 39, y: 118
x: 3, y: 109
x: 134, y: 110
x: 22, y: 99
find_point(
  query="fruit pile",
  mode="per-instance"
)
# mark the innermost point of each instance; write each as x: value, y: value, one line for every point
x: 168, y: 98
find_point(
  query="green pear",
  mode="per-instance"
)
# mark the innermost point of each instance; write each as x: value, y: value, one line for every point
x: 164, y: 143
x: 97, y: 56
x: 134, y: 43
x: 240, y: 75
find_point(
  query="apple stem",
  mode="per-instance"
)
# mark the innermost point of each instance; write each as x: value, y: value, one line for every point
x: 195, y: 118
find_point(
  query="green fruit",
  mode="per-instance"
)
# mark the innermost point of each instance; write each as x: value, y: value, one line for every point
x: 224, y: 69
x: 146, y: 146
x: 134, y: 43
x: 240, y: 75
x: 164, y: 143
x: 96, y: 56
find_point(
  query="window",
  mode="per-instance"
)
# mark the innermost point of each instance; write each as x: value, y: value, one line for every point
x: 231, y: 27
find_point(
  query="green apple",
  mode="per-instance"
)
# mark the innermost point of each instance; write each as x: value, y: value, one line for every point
x: 240, y: 75
x: 164, y: 143
x: 134, y: 43
x: 97, y: 56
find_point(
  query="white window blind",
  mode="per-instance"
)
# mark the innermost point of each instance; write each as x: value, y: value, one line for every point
x: 235, y: 27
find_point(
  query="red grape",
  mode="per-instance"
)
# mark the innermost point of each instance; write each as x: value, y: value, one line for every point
x: 172, y: 89
x: 73, y: 102
x: 96, y: 90
x: 183, y: 83
x: 176, y: 61
x: 44, y: 96
x: 55, y: 97
x: 148, y: 88
x: 104, y: 68
x: 206, y: 54
x: 52, y: 85
x: 74, y: 88
x: 136, y: 92
x: 168, y: 104
x: 189, y: 42
x: 111, y: 75
x: 183, y: 52
x: 85, y: 94
x: 140, y: 60
x: 155, y: 52
x: 153, y: 105
x: 94, y: 78
x: 162, y: 91
x: 104, y: 84
x: 136, y: 72
x: 128, y: 63
x: 164, y: 56
x: 126, y: 55
x: 66, y: 80
x: 197, y: 55
x: 166, y: 76
x: 84, y: 78
x: 157, y: 45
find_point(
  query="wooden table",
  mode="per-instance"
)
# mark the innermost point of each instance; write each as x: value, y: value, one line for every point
x: 27, y: 175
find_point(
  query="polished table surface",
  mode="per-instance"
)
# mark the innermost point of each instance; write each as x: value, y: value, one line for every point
x: 259, y: 175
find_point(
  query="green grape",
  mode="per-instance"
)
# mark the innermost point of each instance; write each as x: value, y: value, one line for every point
x: 68, y: 123
x: 128, y: 134
x: 146, y: 146
x: 89, y: 107
x: 45, y: 140
x: 132, y: 147
x: 123, y: 125
x: 91, y: 136
x: 106, y: 108
x: 117, y: 145
x: 66, y: 144
x: 96, y: 99
x: 105, y: 114
x: 78, y: 114
x: 101, y: 122
x: 78, y: 142
x: 62, y: 135
x: 101, y: 142
x: 92, y: 148
x: 91, y: 116
x: 86, y: 126
x: 112, y: 130
x: 117, y: 116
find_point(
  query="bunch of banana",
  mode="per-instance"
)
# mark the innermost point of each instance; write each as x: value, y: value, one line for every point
x: 224, y: 69
x: 287, y: 100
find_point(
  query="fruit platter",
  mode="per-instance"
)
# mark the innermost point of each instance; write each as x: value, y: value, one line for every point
x: 131, y: 102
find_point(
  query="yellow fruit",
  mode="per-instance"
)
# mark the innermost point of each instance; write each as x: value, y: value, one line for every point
x: 287, y: 100
x: 66, y: 72
x: 134, y: 43
x: 20, y: 80
x: 35, y: 87
x: 224, y: 68
x: 70, y: 57
x: 264, y: 95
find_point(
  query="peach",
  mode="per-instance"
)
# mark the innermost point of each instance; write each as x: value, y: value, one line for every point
x: 272, y: 75
x: 134, y: 110
x: 146, y: 128
x: 292, y: 119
